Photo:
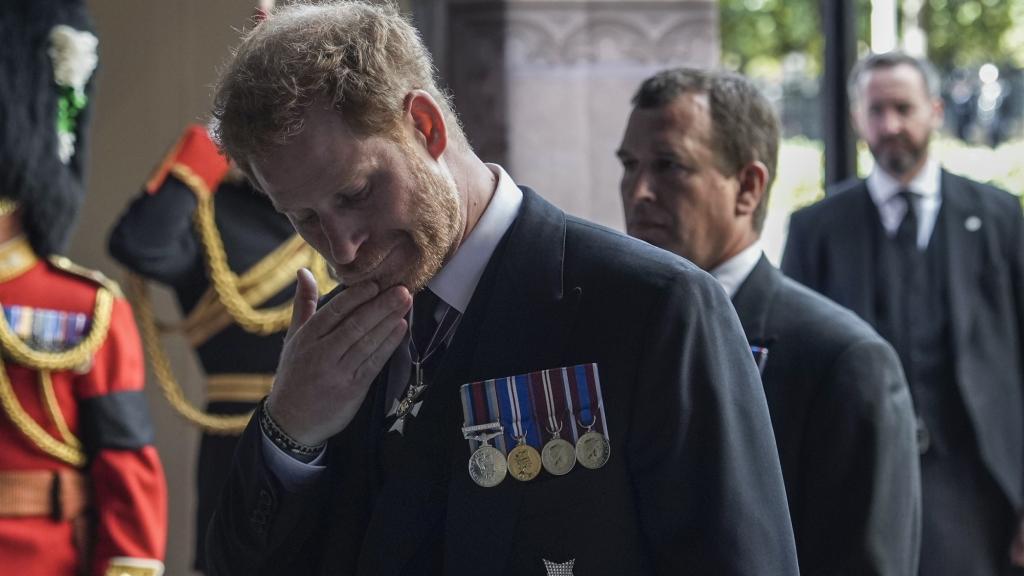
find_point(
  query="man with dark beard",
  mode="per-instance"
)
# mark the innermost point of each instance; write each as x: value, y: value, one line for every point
x: 935, y: 262
x: 409, y: 438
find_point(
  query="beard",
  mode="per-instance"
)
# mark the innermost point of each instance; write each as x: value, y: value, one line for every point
x: 432, y: 235
x: 899, y: 155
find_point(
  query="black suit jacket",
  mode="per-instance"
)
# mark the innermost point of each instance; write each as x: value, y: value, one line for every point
x: 831, y: 250
x: 844, y: 424
x: 693, y: 485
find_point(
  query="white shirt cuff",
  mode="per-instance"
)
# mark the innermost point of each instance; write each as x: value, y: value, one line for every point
x: 293, y: 475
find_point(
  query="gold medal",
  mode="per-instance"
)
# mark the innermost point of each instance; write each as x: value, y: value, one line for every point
x: 593, y: 450
x: 558, y: 456
x: 524, y: 462
x: 487, y: 466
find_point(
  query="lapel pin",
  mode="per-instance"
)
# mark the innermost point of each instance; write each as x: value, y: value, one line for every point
x: 972, y: 223
x: 558, y: 569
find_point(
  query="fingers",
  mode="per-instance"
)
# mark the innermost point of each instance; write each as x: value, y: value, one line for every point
x: 342, y: 306
x: 371, y: 353
x: 304, y: 304
x: 372, y: 320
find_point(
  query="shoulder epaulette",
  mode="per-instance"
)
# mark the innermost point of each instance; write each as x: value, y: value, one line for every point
x: 65, y: 264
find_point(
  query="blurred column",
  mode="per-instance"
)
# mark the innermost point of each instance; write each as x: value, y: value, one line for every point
x: 883, y: 25
x: 839, y: 25
x: 915, y: 39
x: 543, y: 87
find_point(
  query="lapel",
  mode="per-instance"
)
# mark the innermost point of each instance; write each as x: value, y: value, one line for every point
x: 754, y: 301
x: 853, y: 251
x: 965, y: 254
x: 516, y: 321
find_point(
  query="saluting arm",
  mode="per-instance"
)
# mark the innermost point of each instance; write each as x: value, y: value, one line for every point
x: 155, y: 236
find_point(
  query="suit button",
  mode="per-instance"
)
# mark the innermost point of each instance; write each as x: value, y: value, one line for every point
x: 924, y: 439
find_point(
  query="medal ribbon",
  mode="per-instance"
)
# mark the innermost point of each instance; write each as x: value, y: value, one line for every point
x: 585, y: 389
x: 517, y: 412
x: 760, y: 356
x: 47, y: 330
x: 551, y: 385
x: 480, y: 407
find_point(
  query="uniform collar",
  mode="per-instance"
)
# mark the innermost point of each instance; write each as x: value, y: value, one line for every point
x: 457, y: 280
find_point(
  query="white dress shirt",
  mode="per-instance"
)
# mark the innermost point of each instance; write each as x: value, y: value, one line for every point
x: 454, y: 284
x: 732, y: 273
x: 884, y: 191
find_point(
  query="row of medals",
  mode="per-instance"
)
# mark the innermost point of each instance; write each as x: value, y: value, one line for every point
x: 488, y: 466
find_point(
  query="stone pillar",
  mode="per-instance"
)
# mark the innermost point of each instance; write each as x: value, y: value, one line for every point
x: 543, y: 87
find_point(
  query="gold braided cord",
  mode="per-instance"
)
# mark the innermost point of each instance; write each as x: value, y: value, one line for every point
x: 212, y: 423
x: 238, y: 387
x: 74, y: 358
x: 50, y: 401
x: 257, y: 285
x: 223, y: 279
x: 289, y: 255
x: 31, y: 429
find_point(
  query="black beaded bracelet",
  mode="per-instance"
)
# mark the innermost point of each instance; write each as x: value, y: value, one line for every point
x: 302, y: 452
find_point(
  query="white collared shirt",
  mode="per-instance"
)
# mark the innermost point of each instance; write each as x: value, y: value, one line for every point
x: 732, y: 273
x: 457, y: 279
x: 884, y: 190
x: 454, y: 284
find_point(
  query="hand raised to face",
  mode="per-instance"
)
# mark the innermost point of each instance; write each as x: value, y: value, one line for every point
x: 332, y: 355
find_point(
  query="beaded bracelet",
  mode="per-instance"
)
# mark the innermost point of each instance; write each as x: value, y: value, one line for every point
x: 301, y: 452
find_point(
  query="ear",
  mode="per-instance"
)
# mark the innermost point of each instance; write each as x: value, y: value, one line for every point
x: 753, y: 179
x: 857, y: 118
x: 938, y: 113
x: 427, y: 122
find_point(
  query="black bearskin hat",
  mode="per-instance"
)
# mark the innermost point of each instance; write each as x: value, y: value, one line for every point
x: 46, y: 68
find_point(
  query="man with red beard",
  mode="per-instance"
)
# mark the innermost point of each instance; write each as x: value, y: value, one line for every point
x: 935, y: 262
x: 409, y: 438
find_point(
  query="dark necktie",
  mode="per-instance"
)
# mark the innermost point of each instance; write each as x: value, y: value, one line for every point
x: 428, y: 340
x: 906, y: 234
x: 424, y: 321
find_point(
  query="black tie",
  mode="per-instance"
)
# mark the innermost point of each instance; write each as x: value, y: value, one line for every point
x: 424, y: 321
x: 906, y: 234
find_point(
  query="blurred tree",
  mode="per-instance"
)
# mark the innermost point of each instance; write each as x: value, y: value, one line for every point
x: 967, y: 32
x: 756, y: 33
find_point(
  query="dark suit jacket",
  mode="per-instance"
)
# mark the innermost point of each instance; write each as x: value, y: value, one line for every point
x: 844, y: 424
x: 831, y: 250
x: 693, y: 485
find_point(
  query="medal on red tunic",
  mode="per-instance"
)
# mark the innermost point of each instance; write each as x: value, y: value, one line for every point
x: 47, y: 330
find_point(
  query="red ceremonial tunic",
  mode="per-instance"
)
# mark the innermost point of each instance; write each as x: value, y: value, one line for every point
x: 104, y: 408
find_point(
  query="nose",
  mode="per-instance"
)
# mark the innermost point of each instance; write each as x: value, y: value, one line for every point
x: 636, y: 187
x: 891, y: 123
x: 344, y: 238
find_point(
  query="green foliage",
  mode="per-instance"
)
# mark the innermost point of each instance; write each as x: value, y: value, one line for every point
x: 758, y: 34
x: 756, y: 31
x: 967, y: 32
